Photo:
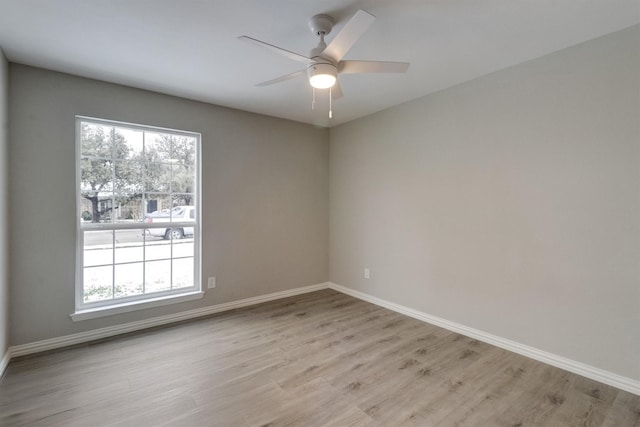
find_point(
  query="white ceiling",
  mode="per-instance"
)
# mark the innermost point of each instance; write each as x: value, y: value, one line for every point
x: 189, y: 48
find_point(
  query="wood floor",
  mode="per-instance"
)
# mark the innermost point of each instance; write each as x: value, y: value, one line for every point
x: 319, y: 359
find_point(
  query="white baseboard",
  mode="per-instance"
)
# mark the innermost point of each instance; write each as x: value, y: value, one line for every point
x: 82, y: 337
x: 4, y: 362
x: 597, y: 374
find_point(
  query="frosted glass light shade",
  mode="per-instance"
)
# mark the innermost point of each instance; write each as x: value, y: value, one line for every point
x: 322, y: 76
x: 322, y: 81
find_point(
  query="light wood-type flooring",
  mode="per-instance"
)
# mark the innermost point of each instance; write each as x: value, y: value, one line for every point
x: 319, y: 359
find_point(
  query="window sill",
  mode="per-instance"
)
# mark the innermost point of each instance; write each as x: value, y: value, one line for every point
x: 94, y: 313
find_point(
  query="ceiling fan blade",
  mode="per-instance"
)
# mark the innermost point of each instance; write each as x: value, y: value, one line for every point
x: 356, y: 67
x: 350, y: 33
x: 276, y: 49
x: 283, y: 78
x: 336, y: 90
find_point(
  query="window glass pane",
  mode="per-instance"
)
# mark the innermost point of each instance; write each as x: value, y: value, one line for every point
x: 183, y: 164
x: 99, y: 206
x: 133, y: 141
x: 85, y: 211
x: 157, y: 276
x: 157, y: 177
x: 97, y: 174
x: 159, y: 249
x: 95, y: 140
x: 128, y: 208
x: 88, y: 204
x: 98, y: 282
x: 157, y: 147
x: 128, y: 176
x: 121, y: 149
x: 96, y: 206
x: 175, y: 233
x: 178, y: 212
x: 184, y: 201
x: 158, y: 205
x: 182, y: 179
x: 183, y: 150
x: 183, y: 247
x: 128, y: 279
x: 182, y: 272
x: 129, y: 246
x: 98, y: 248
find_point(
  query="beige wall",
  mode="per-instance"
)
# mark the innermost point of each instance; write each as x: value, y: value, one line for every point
x: 264, y: 197
x: 510, y: 204
x: 4, y: 206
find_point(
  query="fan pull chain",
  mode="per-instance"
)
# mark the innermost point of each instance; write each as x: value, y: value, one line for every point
x: 330, y: 112
x: 313, y: 98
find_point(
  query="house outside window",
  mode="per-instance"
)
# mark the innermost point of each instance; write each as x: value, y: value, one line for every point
x: 138, y: 233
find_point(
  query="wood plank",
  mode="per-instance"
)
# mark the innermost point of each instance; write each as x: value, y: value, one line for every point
x: 319, y: 359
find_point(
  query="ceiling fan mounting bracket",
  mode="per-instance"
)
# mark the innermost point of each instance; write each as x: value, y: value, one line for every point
x: 321, y: 24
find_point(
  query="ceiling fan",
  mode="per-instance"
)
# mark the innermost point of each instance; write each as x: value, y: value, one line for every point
x: 325, y: 62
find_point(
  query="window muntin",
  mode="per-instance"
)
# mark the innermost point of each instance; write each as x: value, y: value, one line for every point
x: 138, y: 225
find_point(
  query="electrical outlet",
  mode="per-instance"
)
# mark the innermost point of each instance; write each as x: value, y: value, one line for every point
x: 211, y: 283
x: 367, y: 273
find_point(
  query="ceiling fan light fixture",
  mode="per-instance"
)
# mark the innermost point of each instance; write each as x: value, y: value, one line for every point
x: 322, y: 75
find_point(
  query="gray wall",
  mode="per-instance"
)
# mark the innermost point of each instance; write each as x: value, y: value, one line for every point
x: 510, y: 204
x: 4, y: 205
x: 264, y: 197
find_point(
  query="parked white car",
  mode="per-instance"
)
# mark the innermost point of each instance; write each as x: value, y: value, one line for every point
x: 177, y: 214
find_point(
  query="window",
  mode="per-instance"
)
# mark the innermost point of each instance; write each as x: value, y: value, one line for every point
x: 138, y: 214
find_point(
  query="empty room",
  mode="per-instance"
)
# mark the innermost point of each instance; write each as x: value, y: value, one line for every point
x: 337, y: 213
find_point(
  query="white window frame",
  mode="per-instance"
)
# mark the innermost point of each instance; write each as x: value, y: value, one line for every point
x: 88, y: 310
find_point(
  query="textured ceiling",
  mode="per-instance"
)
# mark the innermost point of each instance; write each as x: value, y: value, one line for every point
x: 190, y: 48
